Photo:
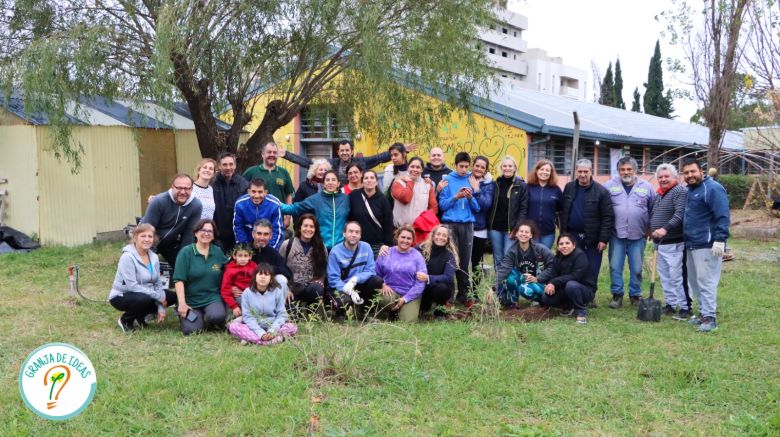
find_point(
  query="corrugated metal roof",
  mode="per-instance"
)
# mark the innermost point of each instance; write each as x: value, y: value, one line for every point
x: 537, y: 112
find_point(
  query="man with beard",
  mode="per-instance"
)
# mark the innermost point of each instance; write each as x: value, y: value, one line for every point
x: 632, y: 201
x: 228, y: 187
x: 277, y: 179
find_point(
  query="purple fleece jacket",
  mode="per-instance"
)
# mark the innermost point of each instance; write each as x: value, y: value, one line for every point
x: 399, y: 271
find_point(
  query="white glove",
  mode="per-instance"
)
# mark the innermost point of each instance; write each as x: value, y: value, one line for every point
x: 718, y: 248
x: 349, y: 289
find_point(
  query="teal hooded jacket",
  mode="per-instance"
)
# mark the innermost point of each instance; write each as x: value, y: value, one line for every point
x: 331, y: 210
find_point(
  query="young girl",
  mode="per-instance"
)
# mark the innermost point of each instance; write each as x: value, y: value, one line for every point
x: 237, y: 277
x: 262, y: 305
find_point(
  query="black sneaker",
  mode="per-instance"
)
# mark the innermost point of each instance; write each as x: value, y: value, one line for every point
x: 616, y: 302
x: 634, y: 300
x: 124, y: 326
x: 682, y: 315
x: 668, y: 310
x: 567, y: 313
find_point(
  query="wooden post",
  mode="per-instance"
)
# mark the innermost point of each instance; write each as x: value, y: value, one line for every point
x: 575, y: 145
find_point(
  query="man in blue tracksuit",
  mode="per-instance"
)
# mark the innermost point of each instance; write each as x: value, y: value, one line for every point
x: 459, y: 205
x: 705, y: 230
x: 255, y: 205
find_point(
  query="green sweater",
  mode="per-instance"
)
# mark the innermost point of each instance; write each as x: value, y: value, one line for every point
x: 277, y: 181
x: 201, y: 276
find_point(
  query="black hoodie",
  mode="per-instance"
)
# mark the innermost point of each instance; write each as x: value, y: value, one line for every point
x: 436, y: 175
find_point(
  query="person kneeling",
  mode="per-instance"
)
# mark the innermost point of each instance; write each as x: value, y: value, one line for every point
x: 263, y: 313
x: 401, y: 270
x: 570, y: 283
x: 525, y: 260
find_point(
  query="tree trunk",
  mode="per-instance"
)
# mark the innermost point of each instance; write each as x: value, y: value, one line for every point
x: 276, y: 116
x: 196, y: 94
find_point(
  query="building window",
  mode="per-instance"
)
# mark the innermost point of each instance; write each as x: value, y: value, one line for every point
x: 660, y: 155
x: 515, y: 33
x: 492, y: 51
x: 325, y: 122
x: 557, y: 150
x: 636, y: 153
x: 514, y: 57
x: 504, y: 54
x: 504, y: 30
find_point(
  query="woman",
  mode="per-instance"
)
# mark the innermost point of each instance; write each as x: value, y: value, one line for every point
x: 482, y: 186
x: 138, y: 289
x: 413, y: 195
x: 528, y: 259
x: 197, y: 278
x: 441, y: 259
x: 307, y: 258
x: 399, y: 270
x: 314, y: 179
x: 545, y: 200
x: 201, y: 188
x: 371, y: 209
x: 354, y: 176
x: 569, y: 281
x: 510, y: 204
x: 398, y: 168
x: 330, y: 206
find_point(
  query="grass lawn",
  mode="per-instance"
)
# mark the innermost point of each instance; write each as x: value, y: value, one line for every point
x: 613, y: 376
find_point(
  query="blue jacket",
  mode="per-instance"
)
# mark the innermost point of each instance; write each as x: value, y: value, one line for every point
x: 485, y: 200
x: 339, y: 258
x: 544, y: 205
x: 457, y: 211
x: 706, y: 214
x: 331, y: 210
x: 247, y: 213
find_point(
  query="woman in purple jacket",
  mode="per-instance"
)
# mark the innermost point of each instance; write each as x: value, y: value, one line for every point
x: 400, y: 269
x: 545, y: 200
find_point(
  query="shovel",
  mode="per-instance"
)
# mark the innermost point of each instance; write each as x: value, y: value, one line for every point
x: 649, y: 310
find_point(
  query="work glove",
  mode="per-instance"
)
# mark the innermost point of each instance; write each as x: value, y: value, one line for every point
x: 349, y: 290
x: 718, y: 248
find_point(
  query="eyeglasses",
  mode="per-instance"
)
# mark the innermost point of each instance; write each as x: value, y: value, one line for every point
x: 206, y: 231
x: 182, y: 188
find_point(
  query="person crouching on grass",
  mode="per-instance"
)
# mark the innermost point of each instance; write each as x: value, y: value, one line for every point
x: 236, y: 278
x: 405, y: 275
x: 264, y: 318
x: 570, y: 283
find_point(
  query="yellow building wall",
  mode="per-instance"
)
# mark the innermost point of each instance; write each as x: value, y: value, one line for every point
x: 187, y: 152
x: 19, y: 164
x: 67, y: 207
x: 116, y: 177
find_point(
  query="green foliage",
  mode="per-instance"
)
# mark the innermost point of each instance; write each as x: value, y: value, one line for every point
x: 738, y: 187
x: 655, y: 101
x: 613, y: 376
x: 217, y: 56
x: 635, y: 105
x: 619, y: 103
x: 607, y: 97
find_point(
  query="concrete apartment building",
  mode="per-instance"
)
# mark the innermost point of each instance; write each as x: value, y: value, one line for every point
x: 528, y: 68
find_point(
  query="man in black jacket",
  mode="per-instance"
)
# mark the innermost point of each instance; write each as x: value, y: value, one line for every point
x: 265, y: 253
x: 587, y: 213
x: 228, y: 186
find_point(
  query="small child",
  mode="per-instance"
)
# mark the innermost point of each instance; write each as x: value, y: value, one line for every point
x: 264, y: 316
x: 237, y: 277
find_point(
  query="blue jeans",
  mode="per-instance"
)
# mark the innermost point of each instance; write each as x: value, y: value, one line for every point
x: 500, y: 243
x: 547, y: 240
x: 619, y: 248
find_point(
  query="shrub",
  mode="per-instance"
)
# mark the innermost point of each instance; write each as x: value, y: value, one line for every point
x: 737, y: 186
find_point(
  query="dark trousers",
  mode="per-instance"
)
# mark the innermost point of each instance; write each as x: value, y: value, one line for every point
x: 439, y: 294
x: 594, y: 258
x: 573, y: 295
x: 463, y: 234
x: 477, y: 253
x: 367, y: 290
x: 309, y: 294
x: 169, y: 252
x: 136, y: 306
x: 212, y: 315
x: 685, y: 283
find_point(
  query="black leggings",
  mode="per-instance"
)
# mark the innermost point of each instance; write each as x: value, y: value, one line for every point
x: 137, y: 306
x: 439, y: 294
x: 311, y: 293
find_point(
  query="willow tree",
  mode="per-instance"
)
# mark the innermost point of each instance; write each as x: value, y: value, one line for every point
x: 218, y: 56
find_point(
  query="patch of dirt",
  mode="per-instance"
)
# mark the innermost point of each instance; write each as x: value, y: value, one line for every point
x: 528, y: 314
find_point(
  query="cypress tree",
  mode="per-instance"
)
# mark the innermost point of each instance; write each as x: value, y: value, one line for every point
x: 635, y: 105
x: 619, y: 103
x: 607, y: 97
x: 655, y: 102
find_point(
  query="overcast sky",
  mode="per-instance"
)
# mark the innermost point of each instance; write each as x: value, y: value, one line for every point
x: 602, y: 30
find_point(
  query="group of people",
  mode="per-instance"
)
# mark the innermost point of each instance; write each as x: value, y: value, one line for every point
x: 416, y: 243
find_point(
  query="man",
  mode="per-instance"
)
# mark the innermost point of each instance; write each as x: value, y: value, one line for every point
x: 173, y: 214
x: 228, y: 187
x: 459, y: 205
x: 345, y: 157
x: 264, y: 253
x: 350, y: 270
x: 632, y: 201
x: 255, y: 205
x: 277, y: 179
x: 435, y: 169
x: 587, y: 213
x: 705, y: 230
x: 666, y: 222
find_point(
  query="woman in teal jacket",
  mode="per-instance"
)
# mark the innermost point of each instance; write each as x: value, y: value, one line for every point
x: 330, y: 206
